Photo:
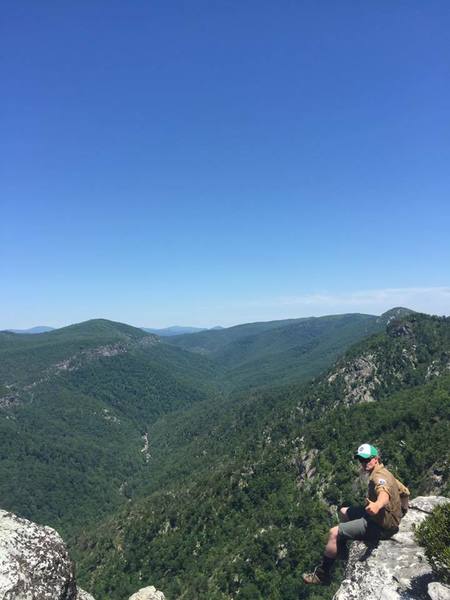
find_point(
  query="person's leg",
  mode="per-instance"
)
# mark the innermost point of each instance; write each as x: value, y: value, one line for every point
x: 331, y: 547
x: 353, y: 529
x: 322, y: 573
x: 346, y: 514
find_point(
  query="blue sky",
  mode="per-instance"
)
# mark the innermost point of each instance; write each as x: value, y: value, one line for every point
x: 218, y: 162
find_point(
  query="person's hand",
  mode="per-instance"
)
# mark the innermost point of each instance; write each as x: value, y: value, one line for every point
x: 372, y: 508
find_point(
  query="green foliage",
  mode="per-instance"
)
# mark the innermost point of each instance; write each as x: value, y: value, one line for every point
x: 25, y: 357
x: 72, y: 444
x: 259, y: 354
x: 434, y: 535
x: 398, y: 424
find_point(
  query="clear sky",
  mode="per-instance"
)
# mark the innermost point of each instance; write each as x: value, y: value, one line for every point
x: 210, y: 162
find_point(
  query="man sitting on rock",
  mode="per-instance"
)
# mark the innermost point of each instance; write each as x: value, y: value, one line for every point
x: 386, y: 503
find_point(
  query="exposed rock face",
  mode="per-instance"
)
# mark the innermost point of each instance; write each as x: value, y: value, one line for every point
x: 305, y: 465
x: 82, y: 595
x: 17, y: 392
x: 437, y: 476
x: 395, y: 569
x: 398, y: 329
x: 438, y: 591
x: 34, y: 563
x: 77, y: 361
x: 148, y: 593
x: 359, y: 379
x: 438, y: 366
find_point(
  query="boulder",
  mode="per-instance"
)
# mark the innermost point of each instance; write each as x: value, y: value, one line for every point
x: 438, y: 591
x: 34, y: 563
x: 148, y: 593
x: 394, y: 569
x: 82, y: 595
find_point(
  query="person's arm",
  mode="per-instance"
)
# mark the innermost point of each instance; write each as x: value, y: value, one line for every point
x: 373, y: 508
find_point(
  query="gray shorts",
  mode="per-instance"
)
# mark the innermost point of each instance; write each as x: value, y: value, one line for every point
x: 361, y: 527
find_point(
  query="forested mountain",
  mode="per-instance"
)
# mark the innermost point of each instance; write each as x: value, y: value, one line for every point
x: 223, y: 483
x: 85, y: 406
x: 26, y: 357
x: 250, y: 526
x: 257, y: 354
x: 76, y: 406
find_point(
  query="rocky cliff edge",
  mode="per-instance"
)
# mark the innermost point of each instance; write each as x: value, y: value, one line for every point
x: 395, y: 569
x: 35, y: 564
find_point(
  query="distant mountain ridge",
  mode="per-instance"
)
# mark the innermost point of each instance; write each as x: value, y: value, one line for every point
x: 173, y: 330
x: 163, y: 332
x: 182, y: 330
x: 33, y: 330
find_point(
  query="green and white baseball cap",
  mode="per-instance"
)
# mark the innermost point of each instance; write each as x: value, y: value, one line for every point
x: 366, y: 451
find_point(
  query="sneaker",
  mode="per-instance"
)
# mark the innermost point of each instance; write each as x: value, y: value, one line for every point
x: 317, y: 577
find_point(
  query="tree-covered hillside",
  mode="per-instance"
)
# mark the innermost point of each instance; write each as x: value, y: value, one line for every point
x: 293, y: 350
x: 25, y: 357
x: 74, y: 424
x: 254, y: 525
x: 250, y: 526
x: 95, y: 413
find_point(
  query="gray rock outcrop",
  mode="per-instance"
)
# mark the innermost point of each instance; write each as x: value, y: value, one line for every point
x: 82, y: 595
x: 438, y: 591
x: 34, y: 563
x: 148, y: 593
x: 395, y: 569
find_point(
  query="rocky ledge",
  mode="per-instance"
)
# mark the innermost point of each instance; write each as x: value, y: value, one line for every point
x: 395, y: 569
x: 35, y: 564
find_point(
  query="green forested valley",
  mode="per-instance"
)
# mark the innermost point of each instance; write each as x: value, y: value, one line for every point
x: 211, y: 464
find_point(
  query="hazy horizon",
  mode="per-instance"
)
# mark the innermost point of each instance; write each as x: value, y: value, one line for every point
x: 383, y: 304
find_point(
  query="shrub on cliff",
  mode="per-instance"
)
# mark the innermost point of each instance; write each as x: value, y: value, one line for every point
x: 434, y: 535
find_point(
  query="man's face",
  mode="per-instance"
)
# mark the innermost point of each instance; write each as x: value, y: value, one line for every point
x: 368, y: 464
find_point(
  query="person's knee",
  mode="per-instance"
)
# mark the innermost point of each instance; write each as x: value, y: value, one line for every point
x: 343, y: 513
